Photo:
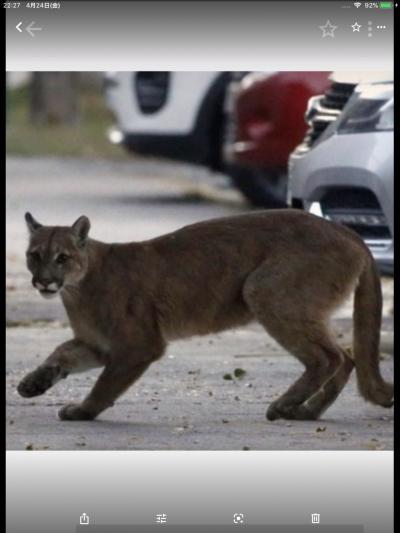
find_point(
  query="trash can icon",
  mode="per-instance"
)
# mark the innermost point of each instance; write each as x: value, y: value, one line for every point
x: 315, y: 518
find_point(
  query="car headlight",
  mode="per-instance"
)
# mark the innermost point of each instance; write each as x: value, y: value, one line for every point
x: 363, y: 115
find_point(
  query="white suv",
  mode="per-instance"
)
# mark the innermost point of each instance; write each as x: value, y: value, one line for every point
x: 343, y: 170
x: 178, y: 115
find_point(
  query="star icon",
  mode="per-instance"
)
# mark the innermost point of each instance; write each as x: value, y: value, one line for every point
x: 356, y: 26
x: 328, y: 30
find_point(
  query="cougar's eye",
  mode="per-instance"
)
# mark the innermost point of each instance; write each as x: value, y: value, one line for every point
x: 34, y: 256
x: 61, y: 259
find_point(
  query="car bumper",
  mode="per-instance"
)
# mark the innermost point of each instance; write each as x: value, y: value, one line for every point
x: 345, y: 161
x: 185, y: 148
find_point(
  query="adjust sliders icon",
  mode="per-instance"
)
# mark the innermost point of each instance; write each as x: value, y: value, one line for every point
x: 31, y: 28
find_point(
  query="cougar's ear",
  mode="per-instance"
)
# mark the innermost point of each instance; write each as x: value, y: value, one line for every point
x: 33, y: 225
x: 80, y: 229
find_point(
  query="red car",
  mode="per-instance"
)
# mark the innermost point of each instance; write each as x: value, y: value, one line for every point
x: 265, y: 122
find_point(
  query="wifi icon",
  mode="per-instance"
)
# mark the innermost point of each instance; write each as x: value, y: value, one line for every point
x: 357, y: 4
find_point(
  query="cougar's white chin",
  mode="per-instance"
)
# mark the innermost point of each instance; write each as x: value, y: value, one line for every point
x: 48, y: 294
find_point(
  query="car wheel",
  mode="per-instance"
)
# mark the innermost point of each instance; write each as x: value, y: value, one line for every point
x: 261, y: 187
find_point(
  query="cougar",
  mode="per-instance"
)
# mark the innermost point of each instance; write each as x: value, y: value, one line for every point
x: 286, y: 269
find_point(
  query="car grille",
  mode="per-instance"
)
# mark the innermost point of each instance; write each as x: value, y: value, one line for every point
x: 357, y: 208
x: 151, y: 89
x: 323, y: 110
x: 337, y: 95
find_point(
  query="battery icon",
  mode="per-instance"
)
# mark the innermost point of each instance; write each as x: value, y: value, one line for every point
x: 386, y: 5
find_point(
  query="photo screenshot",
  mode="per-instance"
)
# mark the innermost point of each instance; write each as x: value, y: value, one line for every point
x: 199, y: 266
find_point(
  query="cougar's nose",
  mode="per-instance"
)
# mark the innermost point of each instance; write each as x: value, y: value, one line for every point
x: 42, y: 283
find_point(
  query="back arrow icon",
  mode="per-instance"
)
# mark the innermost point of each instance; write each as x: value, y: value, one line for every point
x: 18, y: 27
x: 30, y: 29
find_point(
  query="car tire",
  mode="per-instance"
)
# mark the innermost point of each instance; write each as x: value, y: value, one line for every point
x: 261, y: 187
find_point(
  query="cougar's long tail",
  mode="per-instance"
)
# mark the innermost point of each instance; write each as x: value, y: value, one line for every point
x: 367, y: 324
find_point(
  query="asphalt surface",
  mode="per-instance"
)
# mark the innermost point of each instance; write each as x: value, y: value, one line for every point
x: 186, y: 400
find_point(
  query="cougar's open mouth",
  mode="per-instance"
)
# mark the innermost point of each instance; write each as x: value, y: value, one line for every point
x: 48, y: 293
x: 47, y: 290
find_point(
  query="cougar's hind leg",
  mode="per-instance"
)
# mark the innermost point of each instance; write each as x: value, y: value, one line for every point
x: 319, y: 402
x: 310, y: 345
x: 298, y: 328
x: 70, y: 357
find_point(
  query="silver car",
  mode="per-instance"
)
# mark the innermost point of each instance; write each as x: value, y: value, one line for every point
x: 343, y: 170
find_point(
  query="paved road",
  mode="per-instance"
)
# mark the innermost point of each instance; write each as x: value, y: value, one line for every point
x: 183, y: 401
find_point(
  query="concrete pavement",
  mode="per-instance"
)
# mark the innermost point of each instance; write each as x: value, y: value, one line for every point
x: 184, y: 401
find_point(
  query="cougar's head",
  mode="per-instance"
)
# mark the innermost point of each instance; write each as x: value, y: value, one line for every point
x: 57, y: 256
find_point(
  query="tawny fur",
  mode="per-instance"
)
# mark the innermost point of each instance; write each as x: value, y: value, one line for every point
x: 286, y: 269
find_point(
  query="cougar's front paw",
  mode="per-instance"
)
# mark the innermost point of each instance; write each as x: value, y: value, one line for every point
x: 39, y: 381
x: 74, y: 411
